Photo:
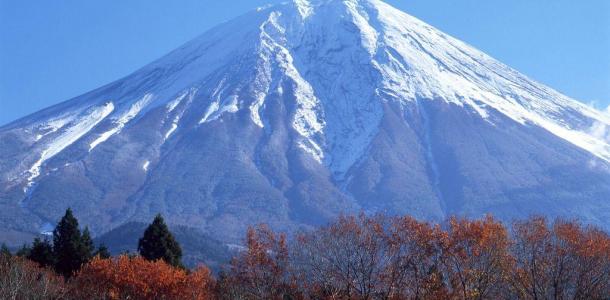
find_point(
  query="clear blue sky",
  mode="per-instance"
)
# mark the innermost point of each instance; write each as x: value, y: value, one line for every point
x: 51, y: 51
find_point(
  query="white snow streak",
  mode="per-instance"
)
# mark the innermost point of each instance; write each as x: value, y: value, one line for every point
x: 53, y: 126
x: 217, y: 108
x: 172, y: 105
x: 121, y: 121
x: 78, y: 128
x: 307, y: 120
x: 172, y: 128
x: 304, y: 8
x: 255, y: 110
x: 189, y: 95
x: 368, y: 34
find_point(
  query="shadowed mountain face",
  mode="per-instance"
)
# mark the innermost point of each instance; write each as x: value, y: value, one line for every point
x: 295, y: 113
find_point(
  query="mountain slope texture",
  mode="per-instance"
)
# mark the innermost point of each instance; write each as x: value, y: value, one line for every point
x: 295, y: 113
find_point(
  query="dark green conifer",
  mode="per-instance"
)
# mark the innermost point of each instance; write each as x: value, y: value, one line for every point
x: 68, y: 247
x: 42, y: 253
x: 5, y: 251
x: 102, y: 252
x: 24, y: 251
x: 87, y: 248
x: 159, y: 243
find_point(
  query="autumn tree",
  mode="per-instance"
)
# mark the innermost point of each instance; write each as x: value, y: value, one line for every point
x: 159, y: 243
x: 346, y: 259
x: 21, y: 278
x: 261, y: 271
x: 476, y: 260
x: 353, y: 257
x: 532, y: 252
x: 379, y: 257
x: 127, y: 277
x: 592, y: 251
x: 562, y: 261
x: 414, y: 271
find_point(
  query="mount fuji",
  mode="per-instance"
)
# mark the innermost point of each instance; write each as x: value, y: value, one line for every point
x: 295, y: 113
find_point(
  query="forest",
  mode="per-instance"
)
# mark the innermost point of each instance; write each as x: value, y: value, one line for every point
x: 353, y: 257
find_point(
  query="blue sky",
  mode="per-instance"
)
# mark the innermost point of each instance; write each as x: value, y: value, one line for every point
x: 51, y: 51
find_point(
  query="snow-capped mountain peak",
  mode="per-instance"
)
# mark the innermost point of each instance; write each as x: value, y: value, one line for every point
x: 302, y: 110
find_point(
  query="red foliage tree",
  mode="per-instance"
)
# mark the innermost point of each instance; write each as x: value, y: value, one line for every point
x: 261, y: 271
x: 137, y: 278
x: 592, y: 280
x: 562, y: 261
x: 476, y: 258
x: 414, y: 250
x: 357, y: 257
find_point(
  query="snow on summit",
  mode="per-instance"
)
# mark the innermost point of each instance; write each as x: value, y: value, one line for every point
x: 296, y: 112
x: 374, y: 48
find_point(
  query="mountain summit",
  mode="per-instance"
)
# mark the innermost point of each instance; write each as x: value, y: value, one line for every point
x: 295, y: 113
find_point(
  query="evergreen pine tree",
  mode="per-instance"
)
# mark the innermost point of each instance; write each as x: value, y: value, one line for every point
x: 68, y: 248
x: 4, y: 251
x: 87, y: 248
x: 102, y: 252
x: 24, y: 251
x: 159, y: 243
x: 42, y: 253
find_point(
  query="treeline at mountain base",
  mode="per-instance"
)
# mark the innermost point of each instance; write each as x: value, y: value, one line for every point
x: 354, y: 257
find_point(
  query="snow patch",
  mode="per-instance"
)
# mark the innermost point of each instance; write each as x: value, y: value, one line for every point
x: 255, y: 110
x: 600, y: 131
x: 304, y: 8
x: 419, y: 62
x: 368, y: 34
x: 121, y: 121
x: 189, y: 95
x: 312, y: 149
x: 213, y: 108
x: 53, y: 126
x: 216, y: 109
x: 308, y: 116
x: 173, y: 128
x: 47, y: 229
x: 78, y: 128
x: 263, y: 78
x: 174, y: 103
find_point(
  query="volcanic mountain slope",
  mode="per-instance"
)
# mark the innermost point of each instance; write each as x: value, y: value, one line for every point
x: 295, y: 113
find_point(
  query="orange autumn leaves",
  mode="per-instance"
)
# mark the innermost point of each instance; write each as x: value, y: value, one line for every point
x: 357, y: 257
x: 127, y: 277
x: 122, y: 277
x: 401, y: 258
x: 475, y: 258
x: 560, y: 261
x: 262, y: 271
